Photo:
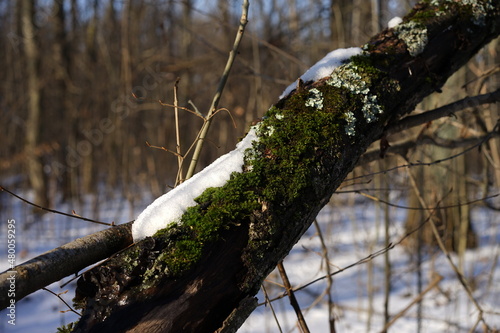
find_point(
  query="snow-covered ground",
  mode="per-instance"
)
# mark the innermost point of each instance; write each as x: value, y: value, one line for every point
x: 350, y: 234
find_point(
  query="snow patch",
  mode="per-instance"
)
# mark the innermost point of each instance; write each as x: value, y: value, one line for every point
x: 394, y: 22
x: 172, y: 205
x: 324, y: 67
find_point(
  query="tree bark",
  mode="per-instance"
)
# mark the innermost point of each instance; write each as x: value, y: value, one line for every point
x: 63, y: 261
x: 201, y: 274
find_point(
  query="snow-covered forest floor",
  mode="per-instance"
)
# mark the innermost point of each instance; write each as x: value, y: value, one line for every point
x: 350, y: 232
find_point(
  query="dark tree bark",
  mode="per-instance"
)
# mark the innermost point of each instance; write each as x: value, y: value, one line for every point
x: 63, y: 261
x: 201, y: 275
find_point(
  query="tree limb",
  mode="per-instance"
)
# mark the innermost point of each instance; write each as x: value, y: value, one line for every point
x: 65, y: 260
x: 444, y: 111
x: 402, y: 147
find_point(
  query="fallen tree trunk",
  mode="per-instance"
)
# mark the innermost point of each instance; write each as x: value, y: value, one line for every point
x: 200, y: 275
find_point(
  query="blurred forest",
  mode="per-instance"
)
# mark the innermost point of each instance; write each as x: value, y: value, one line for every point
x: 82, y: 83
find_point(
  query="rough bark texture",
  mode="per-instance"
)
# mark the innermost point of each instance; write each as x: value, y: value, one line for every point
x: 65, y: 260
x: 200, y: 275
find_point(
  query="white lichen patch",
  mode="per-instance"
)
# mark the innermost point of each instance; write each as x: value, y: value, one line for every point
x: 371, y: 108
x: 316, y: 99
x: 350, y: 128
x: 479, y: 8
x: 414, y: 35
x: 347, y: 77
x: 262, y: 130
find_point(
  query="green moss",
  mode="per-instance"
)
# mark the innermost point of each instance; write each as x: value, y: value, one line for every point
x: 280, y: 171
x: 429, y: 11
x: 367, y: 66
x: 299, y: 132
x: 219, y: 208
x: 67, y: 328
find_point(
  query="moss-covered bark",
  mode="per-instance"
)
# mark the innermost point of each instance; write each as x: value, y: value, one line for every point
x: 192, y: 275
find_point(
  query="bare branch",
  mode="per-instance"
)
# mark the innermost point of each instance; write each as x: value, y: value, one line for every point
x: 461, y: 278
x: 428, y: 208
x: 58, y: 295
x: 65, y: 260
x: 402, y: 148
x: 417, y: 299
x: 178, y: 179
x: 73, y: 215
x: 293, y: 299
x: 444, y: 111
x: 220, y: 88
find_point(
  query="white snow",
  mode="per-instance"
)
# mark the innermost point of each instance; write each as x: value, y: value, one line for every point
x: 324, y: 67
x: 394, y: 22
x: 350, y: 232
x: 172, y: 205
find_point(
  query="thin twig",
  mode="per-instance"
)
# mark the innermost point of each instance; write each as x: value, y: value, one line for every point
x: 402, y: 147
x: 417, y: 299
x: 293, y: 299
x: 329, y: 280
x: 165, y: 149
x: 266, y: 299
x: 55, y: 211
x: 364, y: 260
x: 435, y: 231
x: 195, y: 109
x: 427, y: 208
x: 494, y: 133
x: 65, y: 303
x: 196, y: 113
x: 178, y: 179
x: 182, y: 157
x: 220, y: 88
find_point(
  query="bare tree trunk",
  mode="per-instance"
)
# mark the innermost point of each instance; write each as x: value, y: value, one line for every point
x: 34, y: 163
x: 185, y: 51
x: 337, y: 25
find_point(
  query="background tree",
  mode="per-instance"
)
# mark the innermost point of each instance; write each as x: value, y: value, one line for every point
x: 33, y: 121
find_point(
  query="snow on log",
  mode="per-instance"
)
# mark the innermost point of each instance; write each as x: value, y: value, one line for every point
x: 172, y: 205
x: 324, y: 67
